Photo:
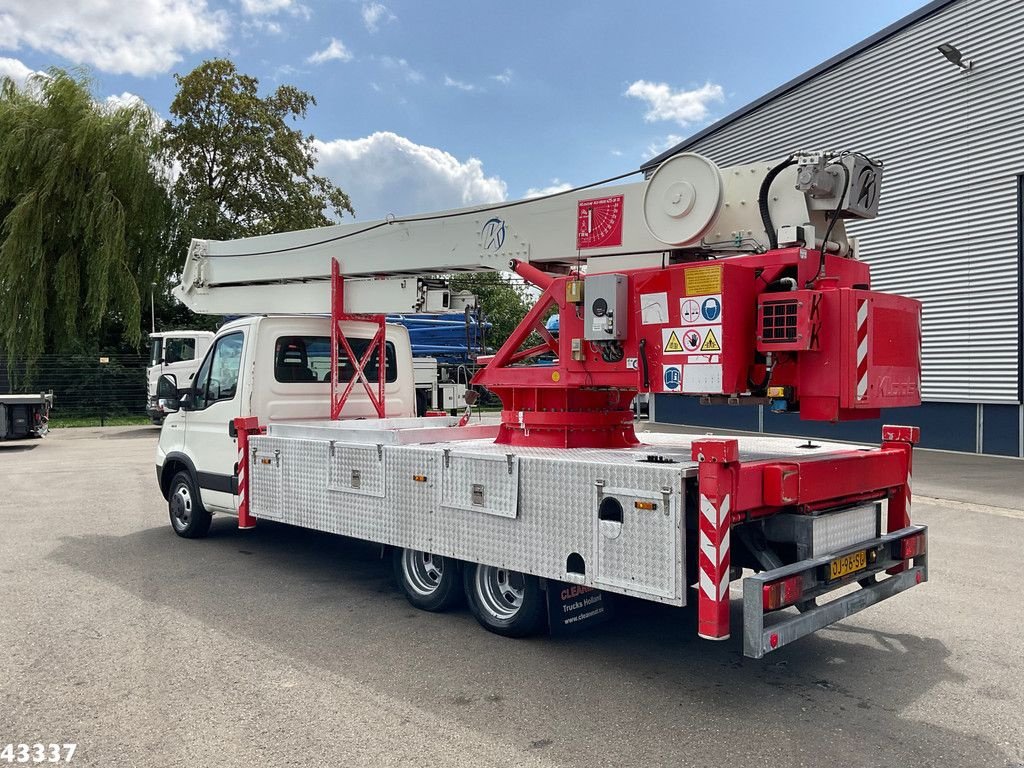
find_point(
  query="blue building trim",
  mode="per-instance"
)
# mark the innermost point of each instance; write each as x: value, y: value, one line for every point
x: 965, y: 427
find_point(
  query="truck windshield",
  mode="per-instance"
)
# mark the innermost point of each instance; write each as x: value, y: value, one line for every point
x: 308, y: 358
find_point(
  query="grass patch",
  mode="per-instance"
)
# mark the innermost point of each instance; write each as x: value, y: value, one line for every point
x: 64, y: 422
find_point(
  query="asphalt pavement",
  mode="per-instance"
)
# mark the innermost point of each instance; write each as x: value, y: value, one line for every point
x: 279, y: 646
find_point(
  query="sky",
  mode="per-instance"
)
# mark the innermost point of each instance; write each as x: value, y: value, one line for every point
x: 425, y: 106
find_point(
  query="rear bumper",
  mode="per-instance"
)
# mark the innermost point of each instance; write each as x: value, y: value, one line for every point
x: 767, y: 631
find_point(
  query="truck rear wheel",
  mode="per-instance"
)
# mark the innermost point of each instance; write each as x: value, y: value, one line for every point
x: 430, y: 582
x: 505, y: 602
x: 189, y: 518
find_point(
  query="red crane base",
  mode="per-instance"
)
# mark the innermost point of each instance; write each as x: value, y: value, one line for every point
x: 545, y: 417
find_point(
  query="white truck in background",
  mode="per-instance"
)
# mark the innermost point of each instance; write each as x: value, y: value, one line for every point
x: 177, y: 353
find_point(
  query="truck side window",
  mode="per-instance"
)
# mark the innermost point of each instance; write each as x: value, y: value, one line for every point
x: 308, y: 359
x: 179, y: 350
x: 217, y: 378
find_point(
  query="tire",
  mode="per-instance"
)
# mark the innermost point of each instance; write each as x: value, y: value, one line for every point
x: 188, y: 516
x: 430, y: 582
x: 505, y: 602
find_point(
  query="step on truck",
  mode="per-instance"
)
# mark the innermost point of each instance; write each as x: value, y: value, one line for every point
x: 736, y: 285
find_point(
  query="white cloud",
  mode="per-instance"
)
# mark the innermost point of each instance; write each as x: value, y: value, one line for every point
x: 504, y: 77
x: 271, y: 7
x: 387, y: 173
x: 125, y: 99
x: 657, y: 147
x: 400, y: 65
x: 16, y: 70
x: 554, y: 187
x: 335, y: 51
x: 261, y: 26
x: 374, y: 14
x: 685, y: 107
x: 451, y: 82
x: 144, y: 37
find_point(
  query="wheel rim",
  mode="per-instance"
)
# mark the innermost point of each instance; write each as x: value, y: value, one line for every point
x: 181, y: 507
x: 422, y: 571
x: 500, y: 592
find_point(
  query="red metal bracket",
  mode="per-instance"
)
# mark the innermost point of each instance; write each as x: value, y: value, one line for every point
x: 338, y: 316
x: 901, y: 439
x: 563, y: 404
x: 716, y: 477
x: 245, y: 426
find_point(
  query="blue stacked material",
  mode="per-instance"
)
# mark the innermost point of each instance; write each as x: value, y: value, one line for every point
x: 450, y: 338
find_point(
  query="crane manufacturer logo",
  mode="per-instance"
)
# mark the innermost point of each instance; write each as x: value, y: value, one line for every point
x: 492, y: 236
x: 868, y: 181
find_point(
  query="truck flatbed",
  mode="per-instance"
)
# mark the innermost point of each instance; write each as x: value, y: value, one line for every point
x: 441, y: 434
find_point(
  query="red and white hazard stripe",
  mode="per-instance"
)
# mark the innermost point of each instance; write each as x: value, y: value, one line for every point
x: 242, y: 501
x: 245, y: 427
x: 862, y: 348
x: 713, y: 564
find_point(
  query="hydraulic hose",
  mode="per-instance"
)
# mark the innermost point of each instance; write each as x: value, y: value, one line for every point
x: 762, y: 200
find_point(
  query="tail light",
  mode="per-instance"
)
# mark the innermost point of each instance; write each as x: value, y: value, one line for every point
x: 778, y: 594
x: 913, y: 546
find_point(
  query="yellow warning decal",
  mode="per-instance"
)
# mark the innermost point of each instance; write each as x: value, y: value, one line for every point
x: 673, y: 344
x: 710, y: 343
x: 703, y: 280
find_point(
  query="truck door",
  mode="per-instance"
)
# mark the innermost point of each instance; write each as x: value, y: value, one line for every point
x: 215, y: 402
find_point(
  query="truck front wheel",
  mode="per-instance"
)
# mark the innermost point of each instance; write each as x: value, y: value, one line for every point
x: 430, y: 582
x: 504, y: 602
x: 189, y: 517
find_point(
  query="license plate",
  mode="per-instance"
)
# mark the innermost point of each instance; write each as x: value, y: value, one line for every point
x: 847, y: 564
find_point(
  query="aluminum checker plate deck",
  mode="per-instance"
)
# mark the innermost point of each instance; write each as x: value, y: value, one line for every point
x: 522, y: 508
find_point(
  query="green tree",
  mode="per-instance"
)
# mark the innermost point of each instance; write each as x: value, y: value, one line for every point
x: 504, y: 301
x: 84, y: 213
x: 244, y: 169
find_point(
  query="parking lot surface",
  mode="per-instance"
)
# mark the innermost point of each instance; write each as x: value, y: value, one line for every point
x: 280, y: 646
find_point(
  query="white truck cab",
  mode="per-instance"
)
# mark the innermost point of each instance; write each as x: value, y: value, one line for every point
x: 175, y: 352
x: 274, y: 368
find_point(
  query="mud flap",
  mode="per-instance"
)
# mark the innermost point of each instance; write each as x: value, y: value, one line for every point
x: 573, y: 608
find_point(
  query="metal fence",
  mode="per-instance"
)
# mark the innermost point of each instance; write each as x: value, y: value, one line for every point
x: 84, y: 387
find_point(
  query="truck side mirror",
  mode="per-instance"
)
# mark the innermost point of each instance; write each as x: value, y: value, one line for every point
x: 167, y: 392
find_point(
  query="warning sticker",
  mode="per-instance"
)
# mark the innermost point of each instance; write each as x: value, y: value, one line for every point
x: 703, y: 280
x: 689, y: 311
x: 672, y: 375
x: 702, y: 379
x: 654, y: 308
x: 698, y: 340
x: 701, y: 310
x: 710, y: 343
x: 673, y: 345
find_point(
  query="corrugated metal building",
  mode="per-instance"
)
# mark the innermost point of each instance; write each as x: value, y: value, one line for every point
x: 949, y: 230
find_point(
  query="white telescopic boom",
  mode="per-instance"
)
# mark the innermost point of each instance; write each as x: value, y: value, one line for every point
x: 398, y: 265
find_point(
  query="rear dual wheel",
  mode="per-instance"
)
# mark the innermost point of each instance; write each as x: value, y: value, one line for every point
x: 430, y: 582
x: 504, y: 602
